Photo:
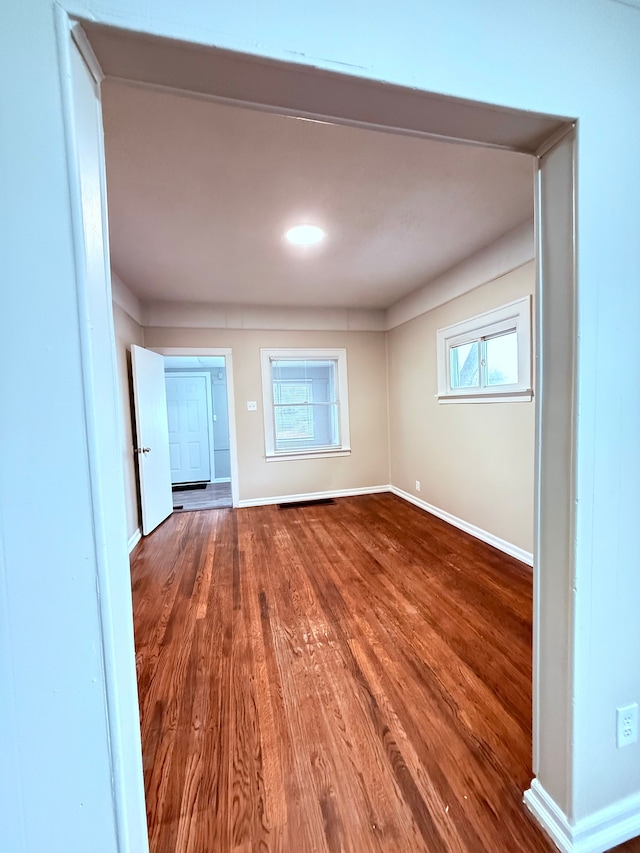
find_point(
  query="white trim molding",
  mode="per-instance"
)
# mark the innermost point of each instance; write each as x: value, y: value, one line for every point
x: 484, y: 535
x: 338, y: 396
x: 86, y: 52
x: 478, y: 331
x: 320, y: 454
x: 135, y: 537
x: 199, y: 315
x: 107, y: 557
x: 313, y: 496
x: 596, y: 833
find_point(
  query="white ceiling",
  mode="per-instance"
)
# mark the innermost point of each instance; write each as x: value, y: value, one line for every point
x: 201, y: 193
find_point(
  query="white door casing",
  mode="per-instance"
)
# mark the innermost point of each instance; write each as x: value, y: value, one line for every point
x: 189, y: 415
x: 152, y: 431
x: 79, y: 756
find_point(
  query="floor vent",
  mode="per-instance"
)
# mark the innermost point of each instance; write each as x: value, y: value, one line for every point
x: 298, y: 504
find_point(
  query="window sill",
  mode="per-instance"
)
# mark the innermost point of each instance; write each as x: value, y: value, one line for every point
x: 319, y: 454
x: 496, y: 397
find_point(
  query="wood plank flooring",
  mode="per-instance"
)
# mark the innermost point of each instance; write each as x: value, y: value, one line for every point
x: 214, y: 496
x: 352, y: 677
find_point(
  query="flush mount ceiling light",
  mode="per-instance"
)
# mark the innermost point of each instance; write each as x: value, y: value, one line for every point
x: 305, y: 235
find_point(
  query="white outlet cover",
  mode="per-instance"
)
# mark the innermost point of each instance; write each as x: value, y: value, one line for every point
x: 627, y: 724
x: 252, y: 406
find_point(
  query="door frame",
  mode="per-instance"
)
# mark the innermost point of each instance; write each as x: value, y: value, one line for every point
x: 227, y: 354
x: 69, y: 28
x: 186, y: 374
x: 102, y: 405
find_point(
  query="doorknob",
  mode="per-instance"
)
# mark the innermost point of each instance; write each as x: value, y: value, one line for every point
x: 143, y: 450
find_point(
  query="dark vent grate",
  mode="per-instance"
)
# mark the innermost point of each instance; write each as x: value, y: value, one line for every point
x: 298, y: 504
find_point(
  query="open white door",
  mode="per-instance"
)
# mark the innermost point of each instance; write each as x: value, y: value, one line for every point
x: 152, y: 430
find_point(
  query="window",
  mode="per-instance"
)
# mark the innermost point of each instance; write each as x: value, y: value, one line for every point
x: 306, y: 407
x: 487, y: 358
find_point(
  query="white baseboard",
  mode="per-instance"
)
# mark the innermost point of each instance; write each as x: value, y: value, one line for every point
x: 313, y: 496
x: 478, y: 532
x: 134, y: 539
x: 596, y: 833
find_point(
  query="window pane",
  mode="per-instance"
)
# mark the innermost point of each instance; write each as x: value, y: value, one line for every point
x: 291, y: 391
x: 464, y: 366
x: 502, y: 359
x: 294, y: 422
x: 305, y: 408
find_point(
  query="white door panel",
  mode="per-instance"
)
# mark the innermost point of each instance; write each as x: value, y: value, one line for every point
x: 175, y: 456
x: 188, y: 410
x: 152, y: 432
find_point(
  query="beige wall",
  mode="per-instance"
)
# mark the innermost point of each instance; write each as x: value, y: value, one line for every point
x: 368, y: 464
x: 475, y: 461
x: 127, y: 332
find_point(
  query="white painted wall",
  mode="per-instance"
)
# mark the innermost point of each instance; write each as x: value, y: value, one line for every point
x: 573, y: 58
x: 72, y: 740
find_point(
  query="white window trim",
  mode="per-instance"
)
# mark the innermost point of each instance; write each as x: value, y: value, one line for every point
x: 299, y: 354
x: 514, y: 316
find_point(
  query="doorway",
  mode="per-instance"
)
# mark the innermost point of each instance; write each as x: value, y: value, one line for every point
x: 215, y: 365
x: 198, y: 423
x: 175, y: 442
x: 548, y: 452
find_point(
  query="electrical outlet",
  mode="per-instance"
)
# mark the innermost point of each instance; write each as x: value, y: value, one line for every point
x: 627, y: 725
x: 252, y: 406
x: 417, y: 485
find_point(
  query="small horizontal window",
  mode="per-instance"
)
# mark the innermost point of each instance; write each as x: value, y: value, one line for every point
x: 306, y: 410
x: 487, y: 358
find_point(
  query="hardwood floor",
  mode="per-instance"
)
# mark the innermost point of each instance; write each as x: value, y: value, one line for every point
x: 354, y: 677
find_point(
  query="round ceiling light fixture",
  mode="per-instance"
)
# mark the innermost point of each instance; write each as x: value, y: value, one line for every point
x: 305, y: 235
